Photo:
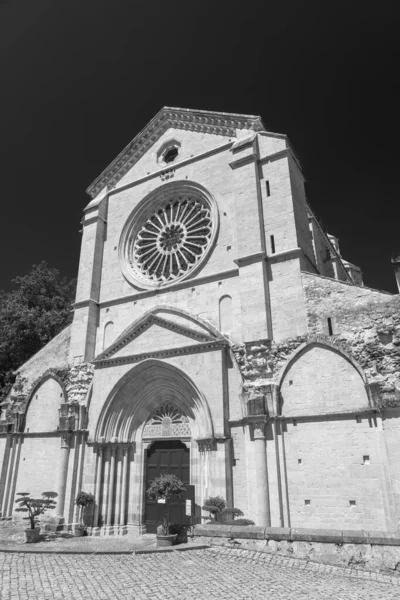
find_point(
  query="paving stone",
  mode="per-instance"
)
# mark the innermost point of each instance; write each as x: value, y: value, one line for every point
x: 207, y: 573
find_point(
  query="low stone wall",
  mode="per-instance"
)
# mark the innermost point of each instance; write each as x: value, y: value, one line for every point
x: 370, y: 550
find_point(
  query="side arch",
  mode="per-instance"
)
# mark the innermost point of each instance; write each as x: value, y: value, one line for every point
x: 321, y: 378
x: 138, y: 393
x: 44, y: 402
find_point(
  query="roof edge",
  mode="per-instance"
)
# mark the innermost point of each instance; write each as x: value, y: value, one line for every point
x: 182, y: 118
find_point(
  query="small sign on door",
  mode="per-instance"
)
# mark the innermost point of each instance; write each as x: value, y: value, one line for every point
x: 188, y: 508
x: 161, y: 501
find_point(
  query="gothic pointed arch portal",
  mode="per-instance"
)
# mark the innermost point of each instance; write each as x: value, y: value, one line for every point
x: 155, y: 406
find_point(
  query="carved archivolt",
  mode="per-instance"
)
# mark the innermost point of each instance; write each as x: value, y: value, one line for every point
x: 167, y: 421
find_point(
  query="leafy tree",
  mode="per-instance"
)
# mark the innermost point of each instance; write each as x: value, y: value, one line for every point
x: 165, y: 486
x: 35, y: 506
x: 30, y: 316
x: 83, y: 500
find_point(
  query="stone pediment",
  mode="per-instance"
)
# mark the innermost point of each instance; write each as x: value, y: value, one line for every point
x: 160, y: 332
x: 200, y: 121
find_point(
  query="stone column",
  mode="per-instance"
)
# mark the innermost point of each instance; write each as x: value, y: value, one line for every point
x: 11, y: 442
x: 396, y: 267
x: 62, y: 479
x: 125, y: 457
x: 110, y: 502
x: 99, y: 474
x: 258, y: 425
x: 205, y: 445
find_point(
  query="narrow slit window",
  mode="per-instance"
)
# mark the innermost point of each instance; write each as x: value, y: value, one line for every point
x: 330, y: 328
x: 268, y: 188
x: 272, y: 244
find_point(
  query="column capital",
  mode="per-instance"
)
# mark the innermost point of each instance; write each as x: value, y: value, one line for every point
x: 125, y: 448
x: 100, y: 449
x: 257, y: 424
x: 206, y: 444
x: 66, y: 439
x: 113, y: 449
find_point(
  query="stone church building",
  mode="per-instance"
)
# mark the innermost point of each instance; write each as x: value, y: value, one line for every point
x: 218, y: 334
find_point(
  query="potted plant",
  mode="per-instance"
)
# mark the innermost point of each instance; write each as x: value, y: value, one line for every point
x: 181, y: 531
x: 214, y: 505
x: 82, y: 500
x: 34, y: 507
x: 164, y: 487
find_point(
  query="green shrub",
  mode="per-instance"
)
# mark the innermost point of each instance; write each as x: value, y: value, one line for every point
x: 239, y: 522
x: 179, y: 529
x: 230, y: 513
x: 215, y: 501
x: 216, y: 506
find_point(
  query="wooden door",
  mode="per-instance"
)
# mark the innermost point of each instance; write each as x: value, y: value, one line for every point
x: 173, y: 457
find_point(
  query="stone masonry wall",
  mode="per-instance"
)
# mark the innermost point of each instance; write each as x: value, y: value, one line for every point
x: 365, y: 322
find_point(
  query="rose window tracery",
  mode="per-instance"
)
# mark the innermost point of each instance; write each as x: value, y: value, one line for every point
x: 173, y: 239
x: 167, y: 421
x: 168, y: 235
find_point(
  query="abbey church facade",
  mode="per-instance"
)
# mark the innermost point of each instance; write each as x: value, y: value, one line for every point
x: 218, y: 334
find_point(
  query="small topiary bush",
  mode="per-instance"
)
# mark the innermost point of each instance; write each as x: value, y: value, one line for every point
x: 218, y: 513
x: 214, y: 505
x: 35, y: 506
x: 228, y: 514
x: 239, y: 522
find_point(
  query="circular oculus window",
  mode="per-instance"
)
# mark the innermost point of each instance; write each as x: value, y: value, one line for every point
x: 168, y: 237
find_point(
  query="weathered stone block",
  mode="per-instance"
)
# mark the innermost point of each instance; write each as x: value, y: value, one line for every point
x: 277, y: 533
x: 252, y: 532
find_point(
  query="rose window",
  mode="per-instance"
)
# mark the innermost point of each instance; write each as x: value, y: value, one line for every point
x: 173, y: 239
x: 168, y: 235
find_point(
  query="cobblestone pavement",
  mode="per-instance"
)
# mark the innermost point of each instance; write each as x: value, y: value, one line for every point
x: 199, y: 574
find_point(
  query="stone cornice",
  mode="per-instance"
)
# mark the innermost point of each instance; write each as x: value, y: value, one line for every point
x: 285, y: 255
x: 216, y: 123
x: 40, y: 434
x: 161, y: 172
x: 243, y: 160
x: 183, y: 350
x: 145, y: 323
x: 250, y: 259
x: 85, y: 303
x: 351, y: 414
x: 367, y: 410
x: 199, y: 280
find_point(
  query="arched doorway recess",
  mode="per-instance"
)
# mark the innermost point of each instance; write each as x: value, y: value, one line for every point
x: 152, y: 404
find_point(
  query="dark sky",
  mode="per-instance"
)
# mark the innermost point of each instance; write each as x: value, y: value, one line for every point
x: 79, y: 79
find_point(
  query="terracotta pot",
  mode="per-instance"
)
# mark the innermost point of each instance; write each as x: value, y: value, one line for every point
x: 32, y: 536
x: 79, y: 530
x: 165, y: 540
x: 182, y: 538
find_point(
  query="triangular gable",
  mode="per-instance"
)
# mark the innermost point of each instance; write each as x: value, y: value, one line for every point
x: 201, y: 121
x: 154, y: 333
